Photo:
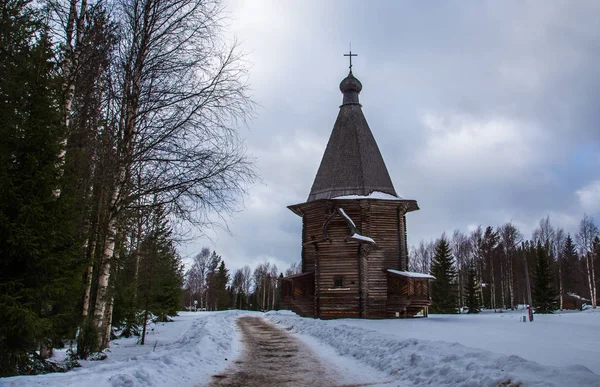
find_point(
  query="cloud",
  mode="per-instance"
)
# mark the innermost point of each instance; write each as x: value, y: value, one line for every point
x: 484, y: 112
x: 589, y: 197
x: 482, y: 150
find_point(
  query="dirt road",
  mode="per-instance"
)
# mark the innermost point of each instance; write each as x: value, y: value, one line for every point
x: 274, y: 357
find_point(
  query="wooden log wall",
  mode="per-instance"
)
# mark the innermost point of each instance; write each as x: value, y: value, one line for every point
x: 364, y: 292
x: 383, y: 223
x: 339, y: 257
x: 310, y: 232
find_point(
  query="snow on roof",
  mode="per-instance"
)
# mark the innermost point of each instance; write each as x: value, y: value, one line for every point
x: 411, y: 274
x: 372, y: 195
x: 298, y: 275
x: 362, y: 238
x: 346, y: 216
x: 577, y: 296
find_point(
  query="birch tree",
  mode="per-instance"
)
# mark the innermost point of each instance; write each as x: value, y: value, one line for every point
x: 510, y: 238
x: 178, y: 91
x: 422, y: 256
x: 588, y: 231
x: 295, y: 268
x: 247, y: 282
x: 461, y: 248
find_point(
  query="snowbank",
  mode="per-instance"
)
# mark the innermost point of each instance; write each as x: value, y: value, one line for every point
x: 184, y: 352
x: 424, y: 362
x: 560, y: 339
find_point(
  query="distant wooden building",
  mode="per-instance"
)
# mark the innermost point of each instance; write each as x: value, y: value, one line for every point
x: 354, y: 249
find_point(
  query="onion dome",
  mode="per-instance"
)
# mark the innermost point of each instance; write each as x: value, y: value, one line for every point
x: 350, y: 87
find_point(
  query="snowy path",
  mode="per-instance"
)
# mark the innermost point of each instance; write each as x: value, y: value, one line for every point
x: 274, y: 357
x: 484, y: 350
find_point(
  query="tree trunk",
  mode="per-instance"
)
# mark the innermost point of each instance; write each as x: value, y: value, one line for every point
x: 589, y: 263
x: 502, y: 285
x: 105, y: 341
x: 88, y: 290
x: 527, y: 284
x: 511, y: 282
x: 104, y: 276
x: 273, y: 298
x: 89, y: 274
x: 75, y: 23
x: 492, y: 285
x: 145, y: 324
x: 560, y: 286
x: 460, y: 288
x: 136, y: 253
x: 264, y: 294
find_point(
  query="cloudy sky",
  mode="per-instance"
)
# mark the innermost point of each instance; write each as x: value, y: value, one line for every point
x: 484, y: 111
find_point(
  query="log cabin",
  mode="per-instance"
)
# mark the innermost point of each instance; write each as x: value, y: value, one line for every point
x: 354, y: 248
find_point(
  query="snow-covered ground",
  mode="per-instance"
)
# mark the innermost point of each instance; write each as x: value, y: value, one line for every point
x: 486, y: 349
x: 560, y: 339
x: 185, y: 352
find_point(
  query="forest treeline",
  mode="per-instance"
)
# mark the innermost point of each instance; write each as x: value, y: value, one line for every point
x: 118, y: 134
x: 488, y: 267
x: 210, y: 286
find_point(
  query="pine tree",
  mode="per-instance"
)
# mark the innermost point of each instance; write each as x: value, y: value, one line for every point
x: 39, y: 277
x: 221, y: 281
x: 544, y: 295
x: 161, y: 274
x: 571, y: 271
x: 472, y: 290
x: 443, y: 288
x: 212, y: 295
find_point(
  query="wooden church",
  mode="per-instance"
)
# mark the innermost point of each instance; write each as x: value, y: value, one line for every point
x: 354, y: 249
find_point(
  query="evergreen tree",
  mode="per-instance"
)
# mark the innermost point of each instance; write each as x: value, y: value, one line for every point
x: 490, y: 250
x: 39, y: 280
x: 161, y: 274
x: 571, y: 271
x: 544, y: 295
x: 443, y: 288
x: 221, y: 281
x: 472, y: 290
x: 212, y: 295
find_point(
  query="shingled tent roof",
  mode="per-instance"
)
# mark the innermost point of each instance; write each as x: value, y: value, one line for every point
x: 352, y: 163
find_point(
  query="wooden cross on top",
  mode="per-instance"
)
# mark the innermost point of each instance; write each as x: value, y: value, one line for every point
x: 350, y: 54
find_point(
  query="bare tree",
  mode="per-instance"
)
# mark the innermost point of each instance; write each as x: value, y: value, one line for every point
x: 422, y: 256
x: 237, y: 285
x: 246, y: 282
x: 558, y: 243
x: 295, y: 268
x: 588, y: 231
x: 545, y: 234
x: 196, y: 276
x: 177, y: 92
x: 510, y: 239
x: 476, y: 237
x: 263, y: 284
x: 461, y: 248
